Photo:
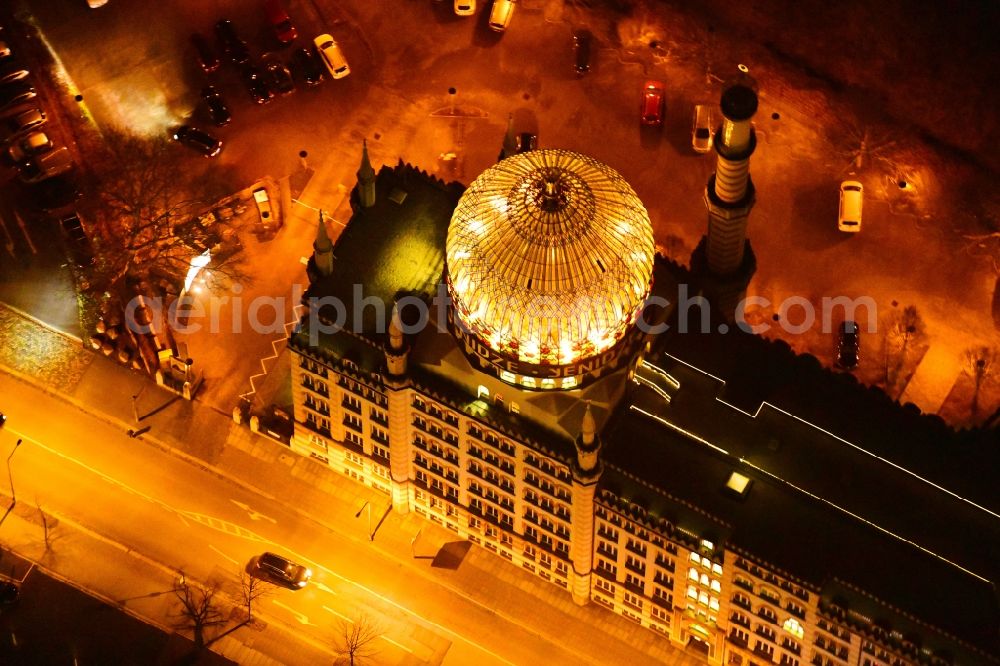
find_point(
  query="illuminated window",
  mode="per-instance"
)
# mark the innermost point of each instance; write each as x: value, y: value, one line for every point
x: 713, y: 603
x: 695, y: 557
x: 529, y: 382
x: 693, y: 574
x: 738, y: 483
x: 717, y: 569
x: 515, y: 408
x: 548, y: 383
x: 703, y: 598
x: 793, y: 627
x: 692, y: 591
x: 707, y: 545
x: 716, y: 586
x: 569, y: 382
x: 509, y: 377
x: 704, y: 579
x: 482, y: 392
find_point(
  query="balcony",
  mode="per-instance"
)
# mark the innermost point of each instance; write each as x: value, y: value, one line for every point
x: 736, y: 639
x: 636, y: 567
x: 636, y: 547
x: 745, y: 604
x: 307, y: 383
x: 351, y: 405
x: 607, y: 551
x: 743, y: 583
x: 353, y: 424
x: 378, y: 418
x: 740, y: 620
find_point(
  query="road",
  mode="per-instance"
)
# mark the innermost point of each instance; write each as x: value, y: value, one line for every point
x: 170, y: 515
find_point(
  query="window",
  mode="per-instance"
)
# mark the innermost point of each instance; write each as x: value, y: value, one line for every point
x: 793, y: 627
x: 605, y: 586
x: 632, y: 600
x: 482, y: 392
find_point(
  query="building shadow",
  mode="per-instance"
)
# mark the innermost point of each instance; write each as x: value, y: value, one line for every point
x: 451, y: 554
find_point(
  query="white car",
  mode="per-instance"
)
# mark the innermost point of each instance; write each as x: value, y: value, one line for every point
x: 465, y: 7
x: 28, y: 146
x: 263, y: 206
x: 851, y: 200
x: 332, y: 56
x: 701, y: 129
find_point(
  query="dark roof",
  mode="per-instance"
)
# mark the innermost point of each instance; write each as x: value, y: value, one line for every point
x: 818, y: 507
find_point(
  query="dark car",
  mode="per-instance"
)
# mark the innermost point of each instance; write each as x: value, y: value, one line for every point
x: 256, y: 83
x: 848, y: 345
x: 56, y: 194
x: 281, y: 571
x: 280, y: 78
x: 234, y: 47
x: 203, y: 142
x: 16, y: 93
x: 653, y: 103
x: 217, y: 109
x: 3, y: 419
x: 77, y: 242
x: 307, y: 64
x: 9, y: 593
x: 581, y: 45
x: 204, y: 54
x: 526, y: 141
x: 280, y: 22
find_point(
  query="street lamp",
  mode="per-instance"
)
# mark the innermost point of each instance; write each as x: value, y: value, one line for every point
x: 10, y: 478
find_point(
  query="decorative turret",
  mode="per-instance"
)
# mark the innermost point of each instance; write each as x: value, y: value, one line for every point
x: 586, y: 473
x: 397, y: 351
x: 322, y: 249
x: 509, y: 140
x: 366, y: 179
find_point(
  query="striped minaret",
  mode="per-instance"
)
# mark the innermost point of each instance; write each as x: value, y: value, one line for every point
x: 730, y: 192
x: 397, y: 386
x: 586, y: 473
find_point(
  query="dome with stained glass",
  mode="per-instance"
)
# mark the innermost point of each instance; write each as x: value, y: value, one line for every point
x: 550, y: 258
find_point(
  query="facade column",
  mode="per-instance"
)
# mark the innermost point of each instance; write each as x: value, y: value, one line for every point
x: 586, y: 473
x: 397, y: 351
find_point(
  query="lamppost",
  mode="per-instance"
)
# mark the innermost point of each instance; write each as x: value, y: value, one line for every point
x: 10, y: 478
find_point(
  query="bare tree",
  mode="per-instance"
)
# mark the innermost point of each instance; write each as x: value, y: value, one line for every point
x: 252, y: 588
x: 199, y: 610
x: 908, y: 326
x: 980, y: 363
x: 148, y: 215
x: 355, y: 640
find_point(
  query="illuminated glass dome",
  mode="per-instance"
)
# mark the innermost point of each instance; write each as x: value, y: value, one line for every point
x: 550, y: 257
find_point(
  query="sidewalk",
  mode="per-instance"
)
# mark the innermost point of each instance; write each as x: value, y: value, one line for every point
x: 332, y: 501
x: 933, y: 379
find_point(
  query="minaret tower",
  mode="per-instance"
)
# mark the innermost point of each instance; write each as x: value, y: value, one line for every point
x: 725, y: 260
x: 366, y: 179
x: 322, y: 249
x: 586, y: 473
x: 397, y: 385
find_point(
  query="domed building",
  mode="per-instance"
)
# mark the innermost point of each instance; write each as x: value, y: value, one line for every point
x: 549, y: 261
x: 478, y: 355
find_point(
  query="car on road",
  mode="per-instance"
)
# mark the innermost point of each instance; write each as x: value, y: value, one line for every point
x: 15, y: 126
x: 701, y: 129
x: 307, y: 64
x: 78, y: 244
x: 848, y: 345
x: 3, y: 419
x: 281, y: 571
x: 465, y: 7
x: 582, y: 40
x: 500, y: 14
x: 47, y: 165
x: 217, y: 109
x: 16, y: 93
x: 280, y: 78
x: 257, y: 85
x: 329, y: 51
x: 653, y: 105
x: 234, y: 47
x: 204, y: 54
x: 851, y: 200
x: 526, y: 141
x: 281, y: 23
x: 29, y: 145
x: 10, y: 71
x: 194, y: 138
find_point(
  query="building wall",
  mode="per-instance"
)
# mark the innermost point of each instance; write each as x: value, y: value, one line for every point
x: 516, y: 501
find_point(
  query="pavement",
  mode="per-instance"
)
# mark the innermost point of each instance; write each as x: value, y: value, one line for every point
x: 507, y: 614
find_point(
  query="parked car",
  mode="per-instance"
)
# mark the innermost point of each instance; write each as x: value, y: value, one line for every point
x: 254, y: 79
x: 701, y: 129
x: 56, y: 194
x: 280, y: 78
x: 3, y: 419
x: 332, y: 56
x: 16, y: 93
x: 307, y: 64
x: 11, y: 71
x: 652, y: 107
x: 78, y: 244
x: 465, y: 7
x: 581, y: 46
x: 281, y: 571
x: 5, y: 51
x: 848, y: 345
x: 263, y: 201
x: 10, y: 592
x: 500, y: 14
x: 204, y: 54
x: 217, y: 109
x: 15, y: 126
x: 234, y: 47
x: 29, y: 145
x: 47, y: 165
x: 281, y: 23
x: 526, y: 141
x: 851, y: 201
x: 203, y: 142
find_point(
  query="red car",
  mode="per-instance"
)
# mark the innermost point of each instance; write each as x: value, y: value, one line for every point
x: 280, y: 22
x: 652, y: 107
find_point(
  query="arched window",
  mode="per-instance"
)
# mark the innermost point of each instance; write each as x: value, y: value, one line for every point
x: 793, y: 627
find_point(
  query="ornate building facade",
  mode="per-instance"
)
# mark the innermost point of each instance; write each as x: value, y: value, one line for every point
x: 513, y: 388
